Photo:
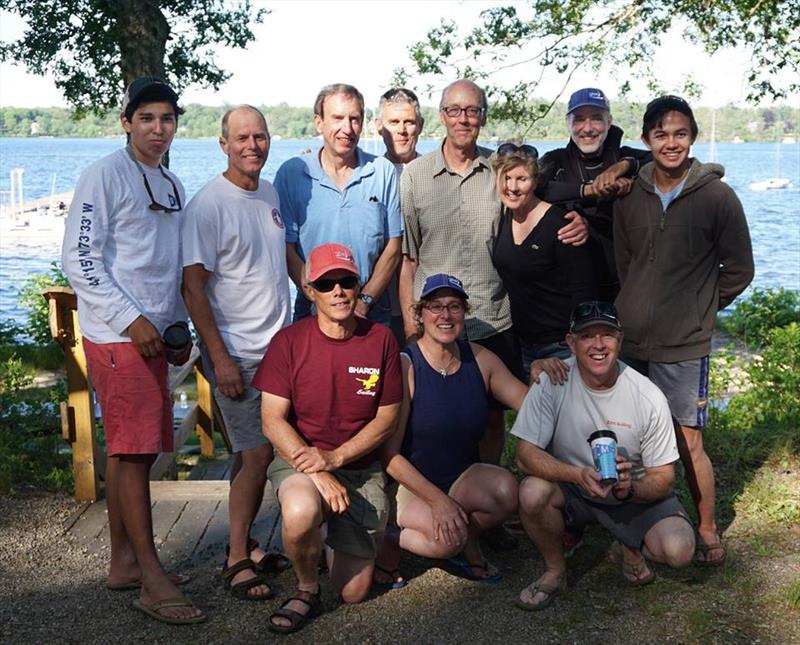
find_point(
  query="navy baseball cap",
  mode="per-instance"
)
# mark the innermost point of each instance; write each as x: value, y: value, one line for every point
x: 590, y: 96
x: 148, y: 88
x: 594, y: 312
x: 442, y: 281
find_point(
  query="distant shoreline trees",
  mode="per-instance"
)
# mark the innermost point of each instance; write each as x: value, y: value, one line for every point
x: 288, y: 122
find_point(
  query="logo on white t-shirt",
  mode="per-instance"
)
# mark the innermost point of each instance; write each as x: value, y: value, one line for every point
x: 276, y: 217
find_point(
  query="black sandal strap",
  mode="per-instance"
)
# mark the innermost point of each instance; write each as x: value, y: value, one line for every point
x: 228, y: 572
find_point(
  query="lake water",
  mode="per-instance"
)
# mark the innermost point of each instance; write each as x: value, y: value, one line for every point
x: 774, y: 216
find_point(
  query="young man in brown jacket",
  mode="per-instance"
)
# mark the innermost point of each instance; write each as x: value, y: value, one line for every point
x: 683, y: 252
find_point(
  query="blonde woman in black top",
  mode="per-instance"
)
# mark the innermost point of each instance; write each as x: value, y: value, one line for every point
x: 544, y: 278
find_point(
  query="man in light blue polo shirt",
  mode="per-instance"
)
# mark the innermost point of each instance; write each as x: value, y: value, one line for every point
x: 342, y: 194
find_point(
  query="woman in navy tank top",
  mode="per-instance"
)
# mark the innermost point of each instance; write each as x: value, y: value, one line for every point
x: 445, y: 497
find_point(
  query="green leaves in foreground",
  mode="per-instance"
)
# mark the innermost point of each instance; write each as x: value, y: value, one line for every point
x: 31, y: 447
x: 753, y: 319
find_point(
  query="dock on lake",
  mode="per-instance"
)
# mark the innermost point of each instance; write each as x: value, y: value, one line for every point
x: 190, y: 518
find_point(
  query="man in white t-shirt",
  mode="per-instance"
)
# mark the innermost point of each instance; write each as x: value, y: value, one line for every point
x: 122, y: 255
x: 236, y: 288
x: 554, y: 424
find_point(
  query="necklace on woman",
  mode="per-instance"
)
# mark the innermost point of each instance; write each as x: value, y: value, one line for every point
x: 444, y: 371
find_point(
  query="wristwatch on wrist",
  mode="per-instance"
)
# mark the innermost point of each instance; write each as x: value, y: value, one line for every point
x: 630, y: 494
x: 366, y: 299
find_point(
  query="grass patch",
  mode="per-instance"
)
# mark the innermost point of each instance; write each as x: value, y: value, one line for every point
x: 35, y: 357
x: 792, y: 594
x: 699, y: 620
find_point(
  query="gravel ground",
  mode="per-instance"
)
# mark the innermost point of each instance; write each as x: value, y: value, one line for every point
x: 51, y: 591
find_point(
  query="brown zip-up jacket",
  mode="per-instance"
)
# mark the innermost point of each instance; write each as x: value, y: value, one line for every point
x: 678, y: 267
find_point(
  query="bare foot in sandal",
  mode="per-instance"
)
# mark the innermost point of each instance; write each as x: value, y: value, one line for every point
x: 710, y: 552
x: 295, y: 612
x: 634, y: 565
x: 540, y: 594
x: 157, y: 589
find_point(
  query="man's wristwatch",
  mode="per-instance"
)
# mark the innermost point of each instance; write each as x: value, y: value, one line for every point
x: 630, y: 494
x: 366, y: 299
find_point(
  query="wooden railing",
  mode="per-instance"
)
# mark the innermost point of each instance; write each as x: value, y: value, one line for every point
x: 77, y: 412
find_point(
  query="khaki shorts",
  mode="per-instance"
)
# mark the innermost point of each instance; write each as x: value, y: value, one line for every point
x: 357, y: 530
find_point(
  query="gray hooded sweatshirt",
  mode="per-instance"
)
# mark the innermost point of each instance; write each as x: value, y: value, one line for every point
x: 678, y: 267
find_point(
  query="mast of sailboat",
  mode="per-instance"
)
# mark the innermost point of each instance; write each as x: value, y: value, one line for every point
x: 712, y: 150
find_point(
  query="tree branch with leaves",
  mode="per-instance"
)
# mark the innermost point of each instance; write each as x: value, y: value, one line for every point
x: 563, y: 36
x: 94, y: 48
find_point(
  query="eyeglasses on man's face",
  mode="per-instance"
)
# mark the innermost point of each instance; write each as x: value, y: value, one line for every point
x: 454, y: 111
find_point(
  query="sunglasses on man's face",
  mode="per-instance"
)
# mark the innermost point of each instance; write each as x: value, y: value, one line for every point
x: 512, y: 148
x: 154, y: 205
x: 390, y: 94
x: 327, y: 284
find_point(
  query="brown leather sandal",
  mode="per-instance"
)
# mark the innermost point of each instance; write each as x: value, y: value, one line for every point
x: 296, y: 620
x: 240, y: 589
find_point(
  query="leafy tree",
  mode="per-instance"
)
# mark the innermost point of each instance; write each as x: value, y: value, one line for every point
x: 564, y: 35
x: 94, y: 48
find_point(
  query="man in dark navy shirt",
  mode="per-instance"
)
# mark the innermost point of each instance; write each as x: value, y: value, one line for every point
x: 589, y: 173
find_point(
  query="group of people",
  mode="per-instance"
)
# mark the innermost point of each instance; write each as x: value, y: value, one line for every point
x: 496, y: 271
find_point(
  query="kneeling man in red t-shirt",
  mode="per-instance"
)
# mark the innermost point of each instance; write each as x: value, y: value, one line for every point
x: 331, y: 395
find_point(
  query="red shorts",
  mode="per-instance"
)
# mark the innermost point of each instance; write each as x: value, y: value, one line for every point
x: 134, y: 398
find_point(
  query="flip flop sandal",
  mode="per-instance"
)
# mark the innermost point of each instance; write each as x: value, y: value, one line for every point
x: 175, y: 578
x: 178, y: 601
x: 239, y: 589
x: 466, y: 569
x: 637, y: 574
x: 296, y: 619
x: 702, y: 549
x: 550, y: 589
x: 396, y: 579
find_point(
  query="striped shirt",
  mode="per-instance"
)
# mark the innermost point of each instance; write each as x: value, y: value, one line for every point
x: 450, y: 226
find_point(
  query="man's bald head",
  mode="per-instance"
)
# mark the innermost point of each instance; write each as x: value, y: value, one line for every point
x: 244, y: 107
x: 464, y: 84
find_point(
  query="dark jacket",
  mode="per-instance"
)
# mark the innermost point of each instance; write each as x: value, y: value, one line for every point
x: 678, y: 268
x: 563, y: 171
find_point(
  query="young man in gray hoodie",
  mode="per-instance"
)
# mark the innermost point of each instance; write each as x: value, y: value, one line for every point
x: 683, y: 252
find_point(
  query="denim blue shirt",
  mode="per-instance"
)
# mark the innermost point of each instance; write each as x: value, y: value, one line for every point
x: 363, y: 216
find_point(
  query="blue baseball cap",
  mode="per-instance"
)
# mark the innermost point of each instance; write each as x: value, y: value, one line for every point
x: 442, y: 281
x: 588, y: 96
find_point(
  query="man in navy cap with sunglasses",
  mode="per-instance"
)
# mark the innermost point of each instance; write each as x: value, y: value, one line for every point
x: 636, y: 504
x: 589, y: 173
x: 122, y: 255
x: 331, y: 395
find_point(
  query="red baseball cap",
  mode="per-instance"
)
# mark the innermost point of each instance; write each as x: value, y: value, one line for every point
x: 328, y: 257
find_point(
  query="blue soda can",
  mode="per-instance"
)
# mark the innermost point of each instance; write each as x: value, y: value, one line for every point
x: 604, y: 453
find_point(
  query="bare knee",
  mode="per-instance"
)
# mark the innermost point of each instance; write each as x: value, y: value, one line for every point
x: 691, y: 438
x: 673, y: 543
x: 300, y: 514
x: 535, y: 495
x: 506, y: 493
x: 355, y: 590
x: 256, y: 460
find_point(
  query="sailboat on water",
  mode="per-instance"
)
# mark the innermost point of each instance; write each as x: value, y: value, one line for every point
x: 777, y: 182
